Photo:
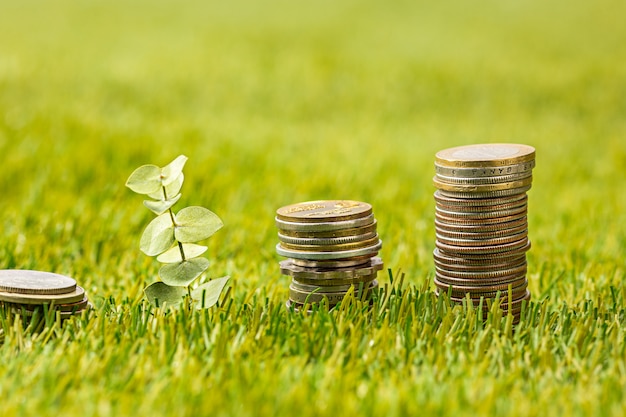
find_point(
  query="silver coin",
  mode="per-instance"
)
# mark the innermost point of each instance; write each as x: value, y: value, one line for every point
x: 480, y: 215
x: 481, y: 227
x: 477, y: 209
x: 288, y: 268
x: 484, y: 180
x: 325, y: 241
x: 487, y: 194
x: 324, y: 226
x: 331, y: 264
x: 347, y: 254
x: 482, y: 242
x: 35, y: 282
x: 467, y: 202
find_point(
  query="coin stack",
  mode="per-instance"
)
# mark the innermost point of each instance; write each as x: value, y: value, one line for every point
x: 481, y: 224
x: 27, y: 292
x: 331, y: 247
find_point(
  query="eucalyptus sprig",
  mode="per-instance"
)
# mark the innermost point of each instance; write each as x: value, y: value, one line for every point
x: 172, y: 237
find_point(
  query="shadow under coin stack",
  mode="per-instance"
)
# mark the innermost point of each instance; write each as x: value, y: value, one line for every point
x: 27, y: 292
x: 331, y: 246
x: 481, y: 224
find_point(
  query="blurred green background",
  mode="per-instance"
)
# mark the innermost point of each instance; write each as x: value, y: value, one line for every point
x: 279, y: 102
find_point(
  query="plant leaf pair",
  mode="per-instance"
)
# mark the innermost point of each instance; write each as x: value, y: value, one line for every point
x: 191, y: 224
x: 150, y: 179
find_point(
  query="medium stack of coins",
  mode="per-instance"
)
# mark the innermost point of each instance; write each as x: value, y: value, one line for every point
x: 481, y: 224
x: 331, y: 247
x: 28, y: 292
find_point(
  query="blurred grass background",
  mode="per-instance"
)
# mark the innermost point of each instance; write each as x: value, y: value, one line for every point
x: 278, y: 102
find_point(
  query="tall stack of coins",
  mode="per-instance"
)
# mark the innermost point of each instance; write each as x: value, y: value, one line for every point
x: 27, y: 292
x: 481, y: 224
x: 331, y: 247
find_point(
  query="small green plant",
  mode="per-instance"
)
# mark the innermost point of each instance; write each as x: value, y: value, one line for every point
x: 172, y: 237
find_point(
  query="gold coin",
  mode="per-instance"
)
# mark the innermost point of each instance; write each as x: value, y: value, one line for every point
x: 71, y: 297
x: 485, y: 155
x: 324, y: 210
x: 371, y: 228
x: 303, y: 297
x: 483, y: 180
x: 484, y: 188
x: 332, y: 248
x: 325, y: 241
x: 478, y: 172
x: 326, y: 226
x: 484, y: 195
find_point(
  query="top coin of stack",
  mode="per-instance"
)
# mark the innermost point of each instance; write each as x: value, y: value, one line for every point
x: 331, y: 245
x: 481, y: 224
x: 26, y: 292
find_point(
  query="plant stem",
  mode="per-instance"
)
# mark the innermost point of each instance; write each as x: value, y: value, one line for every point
x: 180, y: 245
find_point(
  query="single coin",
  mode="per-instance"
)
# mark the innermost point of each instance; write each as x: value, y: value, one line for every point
x: 480, y: 282
x: 523, y: 202
x: 464, y: 267
x: 481, y: 235
x: 331, y: 241
x: 346, y: 254
x: 482, y: 275
x: 35, y: 282
x: 483, y: 195
x: 303, y: 297
x: 480, y: 228
x: 331, y: 265
x: 324, y: 210
x: 484, y: 180
x: 482, y: 215
x: 357, y: 231
x: 481, y: 243
x: 478, y: 172
x: 334, y: 286
x: 467, y: 188
x: 287, y: 267
x: 482, y: 250
x: 70, y: 297
x: 456, y: 259
x: 323, y: 226
x: 485, y: 155
x: 332, y: 248
x: 504, y: 300
x: 453, y: 221
x: 475, y: 292
x: 466, y: 202
x: 335, y: 281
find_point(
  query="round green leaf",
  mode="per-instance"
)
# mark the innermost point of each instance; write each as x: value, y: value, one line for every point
x: 160, y: 294
x: 170, y: 172
x: 159, y: 207
x: 171, y: 189
x: 145, y: 180
x: 184, y: 272
x: 173, y: 254
x: 207, y: 295
x: 158, y: 236
x: 196, y: 223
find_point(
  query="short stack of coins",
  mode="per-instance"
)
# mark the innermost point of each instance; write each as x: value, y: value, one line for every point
x: 332, y: 247
x: 481, y: 223
x: 28, y: 292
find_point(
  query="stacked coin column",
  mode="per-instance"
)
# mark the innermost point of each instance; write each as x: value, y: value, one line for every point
x: 27, y: 292
x: 331, y: 247
x: 481, y: 223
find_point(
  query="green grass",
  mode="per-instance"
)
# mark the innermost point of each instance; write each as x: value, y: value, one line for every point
x: 280, y: 102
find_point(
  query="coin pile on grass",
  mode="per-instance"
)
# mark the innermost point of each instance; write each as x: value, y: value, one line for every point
x: 34, y: 293
x: 331, y: 247
x: 481, y: 223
